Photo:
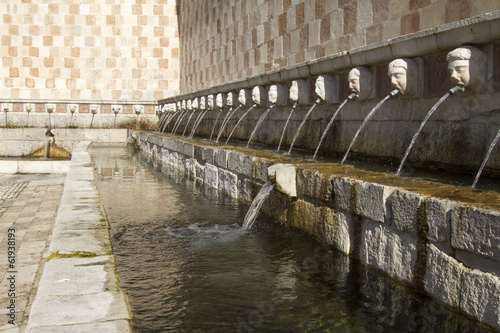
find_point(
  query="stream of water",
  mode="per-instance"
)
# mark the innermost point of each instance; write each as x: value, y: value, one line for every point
x: 187, y: 265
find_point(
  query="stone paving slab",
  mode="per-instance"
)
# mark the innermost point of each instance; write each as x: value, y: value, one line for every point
x: 56, y: 219
x: 29, y: 204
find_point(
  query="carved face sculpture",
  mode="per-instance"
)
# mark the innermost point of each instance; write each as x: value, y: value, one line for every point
x: 294, y: 91
x: 256, y: 95
x: 242, y: 97
x: 319, y: 87
x: 219, y: 100
x: 203, y: 104
x: 179, y: 106
x: 194, y: 104
x: 360, y: 82
x: 229, y: 99
x: 459, y: 70
x: 277, y: 94
x: 397, y: 73
x: 210, y: 101
x: 466, y: 66
x: 189, y: 105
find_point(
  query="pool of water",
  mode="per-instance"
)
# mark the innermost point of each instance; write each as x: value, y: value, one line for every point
x: 187, y: 265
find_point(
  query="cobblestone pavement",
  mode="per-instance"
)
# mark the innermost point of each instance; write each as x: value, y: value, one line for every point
x: 28, y: 207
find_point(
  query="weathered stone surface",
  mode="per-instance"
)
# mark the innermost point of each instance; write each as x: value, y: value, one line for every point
x: 115, y: 326
x: 260, y: 167
x: 211, y: 176
x: 404, y: 207
x: 477, y: 231
x: 371, y: 200
x: 438, y: 214
x: 342, y: 192
x: 392, y: 252
x: 443, y: 276
x: 221, y: 156
x: 309, y: 217
x: 286, y: 180
x: 481, y: 297
x: 200, y: 171
x: 313, y: 184
x: 240, y: 163
x: 339, y: 231
x: 228, y: 183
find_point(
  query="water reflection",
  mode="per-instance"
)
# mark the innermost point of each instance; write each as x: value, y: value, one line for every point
x: 188, y: 266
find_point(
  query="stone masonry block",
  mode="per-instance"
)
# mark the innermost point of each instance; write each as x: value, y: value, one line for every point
x: 404, y: 207
x: 371, y: 200
x: 207, y: 155
x: 211, y: 177
x: 228, y: 183
x: 240, y: 163
x: 260, y: 167
x: 220, y: 158
x: 477, y: 231
x: 390, y: 251
x: 443, y: 276
x: 199, y: 170
x: 438, y: 214
x: 313, y: 184
x: 480, y: 297
x: 339, y: 233
x: 188, y: 149
x: 342, y: 189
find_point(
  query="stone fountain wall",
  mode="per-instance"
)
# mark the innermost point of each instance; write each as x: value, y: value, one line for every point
x: 456, y: 137
x: 442, y: 240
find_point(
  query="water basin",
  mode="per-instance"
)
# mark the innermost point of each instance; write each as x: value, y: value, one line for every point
x: 187, y: 265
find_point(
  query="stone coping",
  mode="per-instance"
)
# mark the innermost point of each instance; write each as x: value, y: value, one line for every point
x: 79, y: 289
x: 484, y: 28
x: 77, y: 101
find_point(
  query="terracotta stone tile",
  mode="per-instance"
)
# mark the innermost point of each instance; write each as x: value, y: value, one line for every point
x: 83, y: 108
x: 29, y: 83
x: 61, y: 108
x: 50, y: 83
x: 7, y: 18
x: 350, y: 15
x: 286, y: 5
x: 13, y: 29
x: 457, y: 10
x: 48, y: 40
x: 69, y: 62
x: 410, y: 23
x: 319, y: 8
x: 13, y: 72
x: 324, y: 32
x: 282, y: 23
x: 33, y: 52
x: 27, y: 62
x: 69, y: 19
x: 34, y: 72
x: 380, y: 10
x: 39, y: 107
x: 13, y: 51
x: 299, y: 15
x: 34, y: 30
x: 55, y: 30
